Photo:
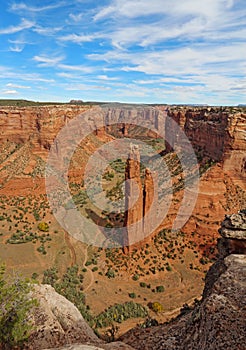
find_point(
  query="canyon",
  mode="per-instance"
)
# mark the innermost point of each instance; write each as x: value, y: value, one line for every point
x: 178, y: 259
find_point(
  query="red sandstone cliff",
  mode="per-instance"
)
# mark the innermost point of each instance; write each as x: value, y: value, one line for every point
x: 214, y: 132
x: 35, y: 125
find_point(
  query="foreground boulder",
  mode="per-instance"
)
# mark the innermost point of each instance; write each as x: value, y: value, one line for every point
x: 58, y: 323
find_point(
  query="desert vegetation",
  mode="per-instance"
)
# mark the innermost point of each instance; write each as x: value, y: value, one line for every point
x: 15, y: 307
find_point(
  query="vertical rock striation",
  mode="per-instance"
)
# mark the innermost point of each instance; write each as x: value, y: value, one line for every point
x: 133, y: 198
x: 140, y: 201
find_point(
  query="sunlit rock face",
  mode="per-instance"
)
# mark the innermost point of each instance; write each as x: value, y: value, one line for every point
x: 233, y: 232
x: 215, y: 132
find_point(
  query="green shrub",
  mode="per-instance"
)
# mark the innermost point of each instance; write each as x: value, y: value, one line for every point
x: 132, y: 295
x: 110, y: 273
x: 160, y: 289
x: 15, y: 305
x: 135, y: 277
x: 142, y: 284
x: 168, y: 268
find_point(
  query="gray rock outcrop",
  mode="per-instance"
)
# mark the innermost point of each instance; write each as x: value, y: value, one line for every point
x: 233, y: 232
x: 57, y: 321
x: 58, y: 324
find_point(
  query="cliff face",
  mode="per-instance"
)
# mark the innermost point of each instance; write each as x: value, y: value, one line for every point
x: 39, y: 126
x: 35, y: 125
x: 213, y: 132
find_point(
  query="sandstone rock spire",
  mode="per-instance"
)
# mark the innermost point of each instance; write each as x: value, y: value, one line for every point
x: 150, y: 199
x: 140, y: 201
x: 133, y: 199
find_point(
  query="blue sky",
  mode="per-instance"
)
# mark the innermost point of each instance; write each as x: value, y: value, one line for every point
x: 158, y: 51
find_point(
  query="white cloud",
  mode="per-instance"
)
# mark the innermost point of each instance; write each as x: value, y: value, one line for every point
x: 45, y: 61
x: 14, y: 74
x: 180, y: 61
x: 25, y: 24
x: 78, y: 87
x: 76, y: 17
x: 16, y: 86
x: 24, y: 7
x: 46, y: 30
x: 10, y: 92
x: 171, y: 19
x: 133, y: 9
x: 19, y: 41
x: 79, y: 68
x: 105, y: 77
x: 16, y: 48
x: 78, y: 39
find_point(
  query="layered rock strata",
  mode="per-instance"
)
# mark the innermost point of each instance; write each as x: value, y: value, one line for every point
x: 218, y: 133
x: 233, y: 232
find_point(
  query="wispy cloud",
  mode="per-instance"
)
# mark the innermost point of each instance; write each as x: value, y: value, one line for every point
x: 78, y: 38
x: 131, y: 9
x: 78, y: 87
x: 45, y: 61
x: 106, y: 78
x: 78, y: 68
x: 16, y: 48
x: 10, y: 92
x: 172, y: 19
x: 20, y: 75
x: 47, y: 31
x: 25, y: 24
x: 16, y: 86
x: 76, y: 17
x: 24, y: 7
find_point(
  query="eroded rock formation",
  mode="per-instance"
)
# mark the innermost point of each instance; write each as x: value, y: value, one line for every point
x: 140, y: 201
x: 133, y: 199
x: 218, y: 133
x: 233, y: 232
